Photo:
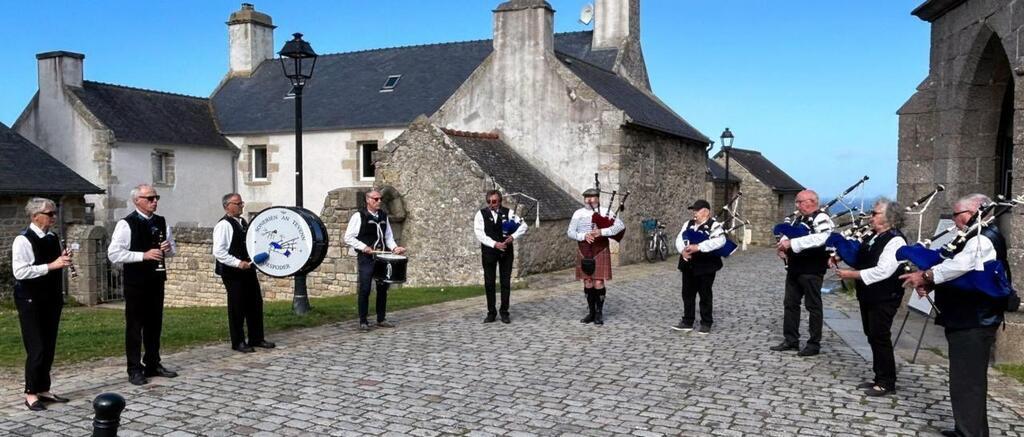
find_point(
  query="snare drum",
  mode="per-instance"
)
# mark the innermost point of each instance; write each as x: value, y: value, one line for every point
x: 389, y: 268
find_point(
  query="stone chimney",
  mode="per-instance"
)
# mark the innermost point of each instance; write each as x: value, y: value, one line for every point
x: 614, y: 22
x: 524, y: 27
x: 56, y: 70
x: 250, y: 40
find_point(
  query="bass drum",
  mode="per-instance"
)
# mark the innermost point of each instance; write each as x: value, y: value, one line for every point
x: 286, y: 241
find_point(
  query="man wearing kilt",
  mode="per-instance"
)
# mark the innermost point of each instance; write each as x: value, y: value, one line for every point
x: 593, y: 257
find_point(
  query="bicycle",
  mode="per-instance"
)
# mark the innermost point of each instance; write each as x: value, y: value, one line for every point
x: 656, y: 241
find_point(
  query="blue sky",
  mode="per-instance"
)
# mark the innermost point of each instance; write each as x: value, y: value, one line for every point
x: 812, y: 84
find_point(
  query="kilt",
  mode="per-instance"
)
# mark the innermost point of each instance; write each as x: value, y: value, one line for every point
x: 602, y: 269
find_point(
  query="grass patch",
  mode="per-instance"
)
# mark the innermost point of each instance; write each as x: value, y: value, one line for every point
x: 1012, y: 370
x: 88, y: 333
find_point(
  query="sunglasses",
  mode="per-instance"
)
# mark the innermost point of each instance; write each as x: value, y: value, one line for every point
x: 48, y: 213
x: 494, y: 201
x: 237, y: 203
x: 151, y: 198
x: 376, y: 199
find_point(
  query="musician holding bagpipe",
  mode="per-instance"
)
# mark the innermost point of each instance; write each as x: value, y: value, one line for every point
x: 495, y: 227
x: 969, y: 313
x: 698, y: 242
x: 592, y: 227
x: 879, y: 290
x: 806, y: 264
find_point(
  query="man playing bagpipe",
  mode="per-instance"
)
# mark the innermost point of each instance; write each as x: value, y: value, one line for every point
x: 879, y: 290
x: 969, y: 311
x: 495, y: 228
x: 697, y: 243
x: 591, y: 227
x: 806, y: 263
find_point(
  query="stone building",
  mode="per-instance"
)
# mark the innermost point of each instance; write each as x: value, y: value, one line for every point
x: 768, y: 192
x: 962, y: 125
x: 26, y: 171
x: 118, y: 137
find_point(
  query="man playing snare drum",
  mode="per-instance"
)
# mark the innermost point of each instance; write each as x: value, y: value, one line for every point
x: 369, y: 230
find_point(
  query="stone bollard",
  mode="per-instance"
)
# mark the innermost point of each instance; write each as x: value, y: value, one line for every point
x: 108, y: 407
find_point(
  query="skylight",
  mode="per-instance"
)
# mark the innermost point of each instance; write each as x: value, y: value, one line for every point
x: 390, y: 83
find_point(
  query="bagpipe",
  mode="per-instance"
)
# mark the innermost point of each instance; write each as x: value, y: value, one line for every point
x: 791, y: 228
x: 515, y: 220
x: 846, y: 244
x: 600, y: 221
x: 989, y: 277
x: 696, y: 237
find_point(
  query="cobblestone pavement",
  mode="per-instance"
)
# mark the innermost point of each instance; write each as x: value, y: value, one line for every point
x: 443, y: 372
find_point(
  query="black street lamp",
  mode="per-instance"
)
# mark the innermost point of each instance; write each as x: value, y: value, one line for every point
x: 726, y: 146
x: 294, y: 54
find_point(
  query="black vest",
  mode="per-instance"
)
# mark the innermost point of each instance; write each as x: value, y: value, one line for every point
x: 236, y: 249
x: 49, y: 286
x: 701, y: 263
x: 368, y: 229
x: 888, y: 289
x: 145, y: 236
x: 808, y: 261
x: 963, y: 309
x: 493, y: 230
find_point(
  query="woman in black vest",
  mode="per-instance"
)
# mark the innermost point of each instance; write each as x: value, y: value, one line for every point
x: 880, y: 291
x: 37, y: 260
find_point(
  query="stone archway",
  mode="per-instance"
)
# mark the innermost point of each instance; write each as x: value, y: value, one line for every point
x: 983, y: 160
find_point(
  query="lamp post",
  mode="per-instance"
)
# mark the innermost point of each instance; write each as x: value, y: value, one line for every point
x: 726, y: 146
x: 293, y: 55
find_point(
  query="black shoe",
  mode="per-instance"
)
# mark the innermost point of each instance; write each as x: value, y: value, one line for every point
x: 808, y: 351
x: 364, y: 327
x: 951, y: 433
x: 265, y: 344
x: 161, y: 372
x: 506, y: 319
x: 490, y: 318
x: 385, y: 324
x: 704, y: 329
x: 588, y: 319
x: 877, y: 390
x: 242, y: 347
x: 53, y: 398
x: 599, y: 318
x: 785, y: 347
x: 137, y: 379
x: 865, y: 385
x: 685, y: 327
x: 35, y: 406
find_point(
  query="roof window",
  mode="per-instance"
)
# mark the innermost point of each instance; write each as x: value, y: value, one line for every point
x: 390, y: 83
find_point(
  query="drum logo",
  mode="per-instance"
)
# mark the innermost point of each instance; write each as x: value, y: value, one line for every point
x: 279, y: 242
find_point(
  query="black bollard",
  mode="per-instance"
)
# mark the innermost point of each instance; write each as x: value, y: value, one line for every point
x: 108, y: 407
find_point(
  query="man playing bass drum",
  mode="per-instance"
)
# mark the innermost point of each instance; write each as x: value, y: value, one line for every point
x: 698, y: 262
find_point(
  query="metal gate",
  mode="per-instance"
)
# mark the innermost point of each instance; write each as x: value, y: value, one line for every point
x: 111, y: 278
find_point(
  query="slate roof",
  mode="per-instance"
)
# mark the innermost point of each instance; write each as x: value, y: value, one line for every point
x: 345, y: 90
x: 151, y: 117
x: 763, y: 169
x: 515, y: 175
x: 717, y: 172
x: 642, y: 109
x: 27, y: 169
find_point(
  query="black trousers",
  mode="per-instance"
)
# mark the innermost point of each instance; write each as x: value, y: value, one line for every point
x: 502, y: 262
x: 876, y: 318
x: 144, y: 318
x: 245, y: 307
x: 39, y: 319
x: 694, y: 285
x: 969, y: 351
x: 805, y: 287
x: 365, y: 264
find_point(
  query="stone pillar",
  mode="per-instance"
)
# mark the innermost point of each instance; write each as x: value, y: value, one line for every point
x: 89, y: 260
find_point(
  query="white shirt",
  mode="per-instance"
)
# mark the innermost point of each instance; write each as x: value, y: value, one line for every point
x: 121, y: 240
x: 22, y: 256
x: 821, y: 227
x: 715, y: 241
x: 977, y: 251
x: 352, y: 231
x: 581, y: 224
x: 223, y: 232
x: 887, y: 263
x: 478, y: 227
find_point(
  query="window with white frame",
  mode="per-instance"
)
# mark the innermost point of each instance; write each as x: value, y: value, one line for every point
x: 258, y: 160
x: 367, y: 169
x: 163, y: 167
